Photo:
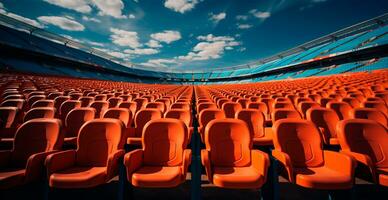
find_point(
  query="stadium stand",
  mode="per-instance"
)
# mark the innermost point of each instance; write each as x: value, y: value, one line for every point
x: 313, y: 118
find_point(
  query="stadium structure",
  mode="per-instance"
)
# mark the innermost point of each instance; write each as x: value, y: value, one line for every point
x: 306, y: 123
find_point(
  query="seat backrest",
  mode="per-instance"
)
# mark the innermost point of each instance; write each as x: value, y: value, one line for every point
x: 366, y: 137
x: 114, y: 101
x: 34, y: 136
x: 206, y: 115
x: 376, y: 104
x: 18, y: 103
x: 299, y: 139
x: 100, y: 97
x: 180, y: 105
x: 144, y: 116
x: 372, y: 114
x: 40, y: 112
x: 259, y: 106
x: 67, y: 106
x: 165, y: 101
x: 59, y: 100
x: 32, y: 99
x: 164, y: 141
x: 122, y: 114
x: 287, y: 105
x: 156, y: 105
x: 283, y: 113
x: 305, y: 105
x: 269, y: 102
x: 7, y: 116
x: 85, y: 101
x: 131, y: 106
x: 76, y: 118
x: 254, y: 119
x: 244, y: 102
x: 43, y: 103
x: 353, y: 102
x: 140, y: 103
x: 229, y: 143
x: 324, y: 118
x: 181, y: 114
x: 221, y: 102
x: 325, y: 100
x: 205, y: 105
x: 231, y: 108
x: 97, y: 139
x: 100, y: 107
x: 342, y: 109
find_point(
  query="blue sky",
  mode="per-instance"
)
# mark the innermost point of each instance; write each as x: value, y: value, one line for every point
x: 193, y: 34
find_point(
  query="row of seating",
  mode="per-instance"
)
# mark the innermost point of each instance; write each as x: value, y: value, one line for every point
x: 147, y: 129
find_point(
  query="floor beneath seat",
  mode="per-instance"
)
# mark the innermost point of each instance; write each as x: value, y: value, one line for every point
x: 288, y: 191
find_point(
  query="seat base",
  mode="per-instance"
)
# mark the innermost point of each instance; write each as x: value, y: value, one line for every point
x: 237, y: 177
x: 78, y: 177
x: 155, y: 176
x: 322, y: 178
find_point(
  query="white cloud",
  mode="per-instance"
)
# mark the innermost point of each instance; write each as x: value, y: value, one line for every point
x: 217, y: 17
x: 91, y: 19
x: 71, y: 38
x: 146, y: 51
x: 119, y: 55
x: 260, y: 14
x: 98, y: 44
x: 24, y: 19
x: 125, y: 38
x: 20, y: 18
x: 244, y: 26
x: 180, y: 5
x: 159, y: 62
x: 131, y: 16
x: 62, y: 22
x: 153, y: 44
x: 241, y: 17
x: 211, y: 47
x: 110, y: 7
x: 106, y: 7
x: 81, y: 6
x: 166, y: 36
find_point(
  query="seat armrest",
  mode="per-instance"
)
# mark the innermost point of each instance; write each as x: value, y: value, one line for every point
x: 113, y: 162
x: 285, y: 160
x: 365, y: 160
x: 131, y: 132
x: 35, y: 165
x: 133, y: 161
x: 326, y: 138
x: 201, y: 133
x: 260, y: 161
x: 205, y: 159
x: 191, y: 131
x: 60, y: 161
x: 186, y: 161
x: 5, y: 158
x: 339, y: 162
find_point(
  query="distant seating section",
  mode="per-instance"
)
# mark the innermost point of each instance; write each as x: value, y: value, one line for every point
x: 28, y: 41
x: 320, y: 130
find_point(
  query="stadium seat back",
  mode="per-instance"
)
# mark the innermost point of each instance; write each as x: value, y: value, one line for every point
x: 301, y: 140
x: 229, y: 142
x: 164, y: 141
x: 34, y: 136
x: 98, y: 138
